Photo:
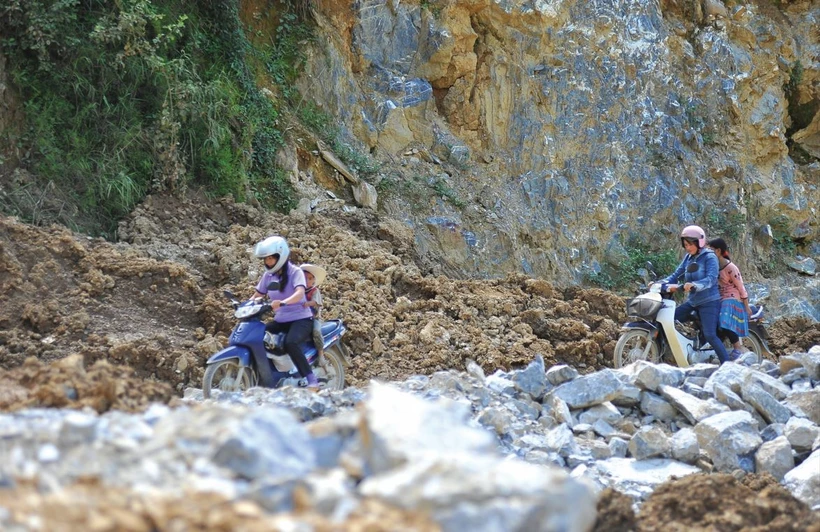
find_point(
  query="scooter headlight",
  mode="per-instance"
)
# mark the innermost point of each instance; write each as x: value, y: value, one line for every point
x: 246, y: 311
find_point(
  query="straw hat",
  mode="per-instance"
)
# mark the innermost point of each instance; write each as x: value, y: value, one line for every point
x: 318, y: 272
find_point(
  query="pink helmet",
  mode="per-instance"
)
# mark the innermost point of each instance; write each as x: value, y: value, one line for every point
x: 694, y: 231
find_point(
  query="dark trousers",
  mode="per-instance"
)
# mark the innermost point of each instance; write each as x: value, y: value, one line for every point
x: 731, y: 335
x: 298, y: 333
x: 709, y: 314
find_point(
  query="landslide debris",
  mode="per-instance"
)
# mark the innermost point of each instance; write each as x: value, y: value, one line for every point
x: 153, y: 301
x: 91, y: 505
x: 66, y: 383
x: 721, y: 502
x: 90, y: 323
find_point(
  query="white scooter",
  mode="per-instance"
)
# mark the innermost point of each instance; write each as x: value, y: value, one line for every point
x: 654, y: 336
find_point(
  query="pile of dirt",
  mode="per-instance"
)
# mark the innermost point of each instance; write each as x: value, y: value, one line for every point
x: 709, y: 502
x: 693, y: 503
x: 153, y: 302
x: 68, y: 294
x: 87, y: 322
x: 722, y: 502
x: 615, y: 513
x: 794, y: 334
x: 89, y: 505
x: 67, y: 384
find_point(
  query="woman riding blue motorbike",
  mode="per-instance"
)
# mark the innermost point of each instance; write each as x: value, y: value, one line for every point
x: 291, y: 316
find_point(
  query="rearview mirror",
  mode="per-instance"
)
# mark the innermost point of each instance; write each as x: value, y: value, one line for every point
x: 228, y: 294
x: 274, y: 286
x: 692, y: 268
x: 644, y: 273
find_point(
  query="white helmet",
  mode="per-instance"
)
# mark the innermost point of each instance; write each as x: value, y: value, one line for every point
x: 273, y: 245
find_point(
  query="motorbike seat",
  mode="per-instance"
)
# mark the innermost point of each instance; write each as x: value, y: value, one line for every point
x: 329, y: 326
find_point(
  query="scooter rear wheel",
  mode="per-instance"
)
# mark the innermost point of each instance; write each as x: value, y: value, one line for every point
x: 750, y: 343
x: 227, y: 376
x: 634, y: 345
x: 332, y: 372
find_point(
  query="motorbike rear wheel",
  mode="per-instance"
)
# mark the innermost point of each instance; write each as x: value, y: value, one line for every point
x: 331, y: 373
x: 227, y: 376
x: 634, y: 345
x: 750, y: 343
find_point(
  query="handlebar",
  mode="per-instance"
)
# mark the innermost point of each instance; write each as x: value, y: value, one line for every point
x: 665, y: 288
x: 281, y: 303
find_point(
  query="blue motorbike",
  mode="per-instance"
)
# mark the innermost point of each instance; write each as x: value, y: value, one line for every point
x: 234, y: 368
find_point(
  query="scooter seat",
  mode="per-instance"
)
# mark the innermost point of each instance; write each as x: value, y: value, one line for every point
x: 329, y: 326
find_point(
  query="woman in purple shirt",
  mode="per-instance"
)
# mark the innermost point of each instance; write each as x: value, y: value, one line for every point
x: 291, y: 316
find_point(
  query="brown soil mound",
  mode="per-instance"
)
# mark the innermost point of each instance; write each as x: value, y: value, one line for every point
x: 615, y: 512
x: 91, y: 506
x: 67, y: 384
x: 720, y: 502
x: 795, y: 334
x: 155, y: 302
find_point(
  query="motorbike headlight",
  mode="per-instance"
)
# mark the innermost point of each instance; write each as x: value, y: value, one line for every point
x: 246, y: 310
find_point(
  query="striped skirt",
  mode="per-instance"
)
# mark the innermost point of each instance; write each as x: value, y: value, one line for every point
x: 733, y: 317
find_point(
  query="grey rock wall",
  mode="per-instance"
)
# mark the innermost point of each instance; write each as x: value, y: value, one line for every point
x: 568, y: 128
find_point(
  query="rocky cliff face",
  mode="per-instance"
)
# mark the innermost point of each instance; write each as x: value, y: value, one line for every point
x: 552, y: 132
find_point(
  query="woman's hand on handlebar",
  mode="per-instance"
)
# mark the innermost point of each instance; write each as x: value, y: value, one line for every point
x: 690, y: 287
x: 672, y: 288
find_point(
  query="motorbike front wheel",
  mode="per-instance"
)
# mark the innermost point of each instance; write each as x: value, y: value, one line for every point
x: 634, y: 345
x: 332, y: 371
x: 227, y: 376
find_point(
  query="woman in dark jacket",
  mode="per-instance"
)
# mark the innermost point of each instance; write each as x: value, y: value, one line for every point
x: 699, y: 269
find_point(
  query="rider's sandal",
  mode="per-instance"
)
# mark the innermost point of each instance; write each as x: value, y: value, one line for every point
x: 312, y: 384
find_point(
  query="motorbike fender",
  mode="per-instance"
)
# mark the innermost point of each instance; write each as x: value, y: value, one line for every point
x: 758, y: 330
x: 241, y: 353
x: 332, y: 332
x: 345, y: 354
x: 762, y: 337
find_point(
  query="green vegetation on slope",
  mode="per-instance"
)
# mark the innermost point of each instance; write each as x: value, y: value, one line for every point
x: 624, y: 276
x: 124, y: 98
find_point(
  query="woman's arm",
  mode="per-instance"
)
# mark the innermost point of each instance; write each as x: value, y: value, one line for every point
x: 710, y: 264
x: 297, y: 296
x: 261, y: 287
x: 737, y: 280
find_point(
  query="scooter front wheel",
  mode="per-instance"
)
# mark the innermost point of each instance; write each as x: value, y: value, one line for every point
x: 634, y: 345
x: 227, y: 376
